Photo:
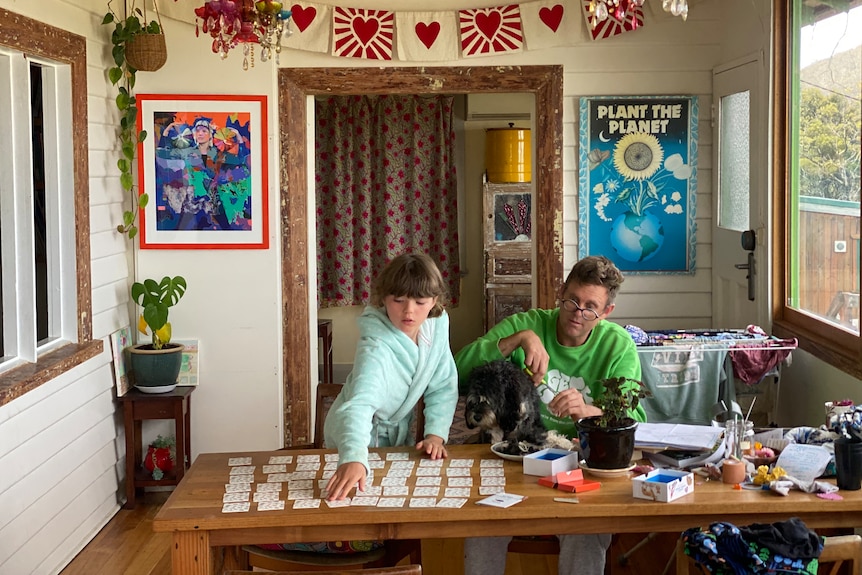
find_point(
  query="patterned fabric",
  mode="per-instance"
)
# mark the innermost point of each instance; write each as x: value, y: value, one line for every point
x: 385, y: 185
x: 722, y: 550
x: 359, y: 546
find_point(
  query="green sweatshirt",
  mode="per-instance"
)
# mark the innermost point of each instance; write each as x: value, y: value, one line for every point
x: 608, y: 352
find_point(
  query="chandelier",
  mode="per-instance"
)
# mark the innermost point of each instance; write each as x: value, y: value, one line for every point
x: 246, y: 22
x: 601, y: 10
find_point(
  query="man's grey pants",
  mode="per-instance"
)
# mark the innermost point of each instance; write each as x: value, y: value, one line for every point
x: 579, y: 554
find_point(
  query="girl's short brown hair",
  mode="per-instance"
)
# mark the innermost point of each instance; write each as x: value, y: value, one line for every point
x: 412, y: 275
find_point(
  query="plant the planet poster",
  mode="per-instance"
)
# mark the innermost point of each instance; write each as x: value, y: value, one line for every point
x: 638, y: 177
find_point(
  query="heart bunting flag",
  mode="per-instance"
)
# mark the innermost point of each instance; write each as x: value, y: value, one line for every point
x: 487, y: 31
x: 361, y: 33
x: 310, y: 25
x: 552, y: 23
x: 427, y: 36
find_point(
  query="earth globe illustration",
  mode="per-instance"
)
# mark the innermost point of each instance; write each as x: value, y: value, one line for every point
x: 635, y: 237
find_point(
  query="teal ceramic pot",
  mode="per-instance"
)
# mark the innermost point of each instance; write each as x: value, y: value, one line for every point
x: 156, y: 370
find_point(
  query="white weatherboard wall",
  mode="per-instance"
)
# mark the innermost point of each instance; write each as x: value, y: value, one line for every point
x: 61, y: 446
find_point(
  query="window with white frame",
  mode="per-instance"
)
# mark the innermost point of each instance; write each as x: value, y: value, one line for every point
x: 818, y: 147
x: 45, y: 295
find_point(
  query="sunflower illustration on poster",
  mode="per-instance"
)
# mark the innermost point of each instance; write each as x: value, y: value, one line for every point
x: 638, y: 181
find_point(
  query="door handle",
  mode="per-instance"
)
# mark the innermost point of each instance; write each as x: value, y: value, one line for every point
x: 751, y: 273
x: 741, y: 266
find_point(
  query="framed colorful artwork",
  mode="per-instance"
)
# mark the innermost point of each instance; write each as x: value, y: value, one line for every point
x: 203, y: 165
x: 638, y: 182
x: 120, y: 340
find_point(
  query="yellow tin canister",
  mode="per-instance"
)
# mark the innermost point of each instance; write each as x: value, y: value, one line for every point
x: 507, y: 155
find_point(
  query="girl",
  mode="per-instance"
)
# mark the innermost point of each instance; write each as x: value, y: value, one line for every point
x: 403, y: 355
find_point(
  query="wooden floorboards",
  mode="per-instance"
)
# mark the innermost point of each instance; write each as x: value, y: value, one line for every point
x: 127, y: 545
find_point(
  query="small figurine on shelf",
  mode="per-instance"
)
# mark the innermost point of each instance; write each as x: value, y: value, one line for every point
x: 160, y: 456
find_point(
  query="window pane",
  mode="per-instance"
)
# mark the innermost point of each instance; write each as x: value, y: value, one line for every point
x: 824, y: 277
x: 734, y: 174
x: 40, y: 256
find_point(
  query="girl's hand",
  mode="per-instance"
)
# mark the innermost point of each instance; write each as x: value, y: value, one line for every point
x: 433, y: 446
x: 343, y: 480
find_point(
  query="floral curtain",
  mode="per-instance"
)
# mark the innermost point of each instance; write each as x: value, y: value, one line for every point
x: 385, y: 185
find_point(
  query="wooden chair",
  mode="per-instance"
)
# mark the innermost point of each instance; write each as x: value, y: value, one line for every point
x: 399, y: 570
x: 836, y: 551
x: 390, y: 554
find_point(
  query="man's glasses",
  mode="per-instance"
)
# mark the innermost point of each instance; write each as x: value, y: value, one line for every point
x: 586, y: 313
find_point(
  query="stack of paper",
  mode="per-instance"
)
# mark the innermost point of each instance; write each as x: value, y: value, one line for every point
x: 677, y: 436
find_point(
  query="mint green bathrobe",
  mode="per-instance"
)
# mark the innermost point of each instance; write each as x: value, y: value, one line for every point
x: 390, y: 374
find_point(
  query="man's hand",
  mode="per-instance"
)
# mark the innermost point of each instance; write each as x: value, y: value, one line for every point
x: 571, y: 403
x: 433, y: 446
x: 535, y: 355
x: 343, y: 480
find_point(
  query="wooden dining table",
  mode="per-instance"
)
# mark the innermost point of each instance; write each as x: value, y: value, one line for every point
x: 207, y: 539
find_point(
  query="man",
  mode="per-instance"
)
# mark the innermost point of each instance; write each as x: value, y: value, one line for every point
x: 568, y: 350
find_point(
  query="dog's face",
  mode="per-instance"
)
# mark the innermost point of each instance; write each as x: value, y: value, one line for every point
x: 479, y: 411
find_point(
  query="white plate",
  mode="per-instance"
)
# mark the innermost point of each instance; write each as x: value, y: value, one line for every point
x: 606, y: 472
x: 497, y: 449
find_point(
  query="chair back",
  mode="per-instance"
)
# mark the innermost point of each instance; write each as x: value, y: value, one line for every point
x: 398, y: 570
x: 836, y: 551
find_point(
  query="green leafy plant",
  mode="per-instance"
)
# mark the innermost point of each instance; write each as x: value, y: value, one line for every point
x: 156, y: 298
x: 123, y: 76
x: 621, y: 395
x: 161, y: 455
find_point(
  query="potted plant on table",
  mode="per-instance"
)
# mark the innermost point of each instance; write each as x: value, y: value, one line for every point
x: 608, y: 440
x: 156, y: 365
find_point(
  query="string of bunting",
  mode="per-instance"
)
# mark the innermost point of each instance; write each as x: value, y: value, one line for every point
x: 447, y: 35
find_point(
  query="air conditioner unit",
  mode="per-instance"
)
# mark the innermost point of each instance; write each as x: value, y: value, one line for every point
x: 840, y: 247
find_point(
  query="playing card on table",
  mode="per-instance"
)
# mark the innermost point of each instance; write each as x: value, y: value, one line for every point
x: 390, y: 480
x: 493, y: 481
x: 330, y: 465
x: 427, y: 471
x: 300, y: 494
x: 458, y: 472
x: 276, y: 505
x: 280, y: 468
x: 279, y: 477
x: 491, y: 463
x: 306, y: 504
x: 376, y: 464
x: 426, y: 481
x: 339, y: 502
x: 373, y: 457
x: 327, y: 474
x: 237, y: 487
x: 391, y: 502
x: 396, y: 490
x: 239, y: 461
x: 364, y: 501
x: 308, y: 466
x: 491, y: 489
x: 266, y: 496
x: 460, y: 481
x: 372, y: 490
x: 426, y: 491
x: 330, y: 457
x: 322, y: 483
x: 457, y: 492
x: 430, y: 463
x: 242, y: 470
x: 492, y: 472
x: 302, y: 474
x: 308, y: 459
x: 280, y: 459
x: 399, y: 473
x: 300, y: 484
x: 236, y: 507
x: 461, y: 463
x: 398, y: 456
x: 423, y: 502
x: 275, y: 487
x: 235, y: 497
x: 245, y: 478
x: 402, y: 465
x: 451, y: 502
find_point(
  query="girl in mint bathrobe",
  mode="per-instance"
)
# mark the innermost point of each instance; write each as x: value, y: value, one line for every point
x: 403, y: 355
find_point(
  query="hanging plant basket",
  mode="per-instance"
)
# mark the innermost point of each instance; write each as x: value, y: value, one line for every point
x: 147, y: 52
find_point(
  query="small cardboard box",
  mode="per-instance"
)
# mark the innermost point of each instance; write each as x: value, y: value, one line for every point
x: 550, y: 462
x: 663, y: 485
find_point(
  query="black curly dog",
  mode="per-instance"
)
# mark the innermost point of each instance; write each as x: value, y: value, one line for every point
x: 503, y: 402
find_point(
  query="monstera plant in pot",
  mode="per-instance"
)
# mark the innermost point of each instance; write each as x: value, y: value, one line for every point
x: 608, y: 440
x: 156, y: 365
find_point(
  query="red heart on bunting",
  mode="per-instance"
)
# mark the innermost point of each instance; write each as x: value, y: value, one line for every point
x: 552, y: 16
x: 302, y: 16
x: 488, y: 24
x: 365, y: 29
x: 428, y: 33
